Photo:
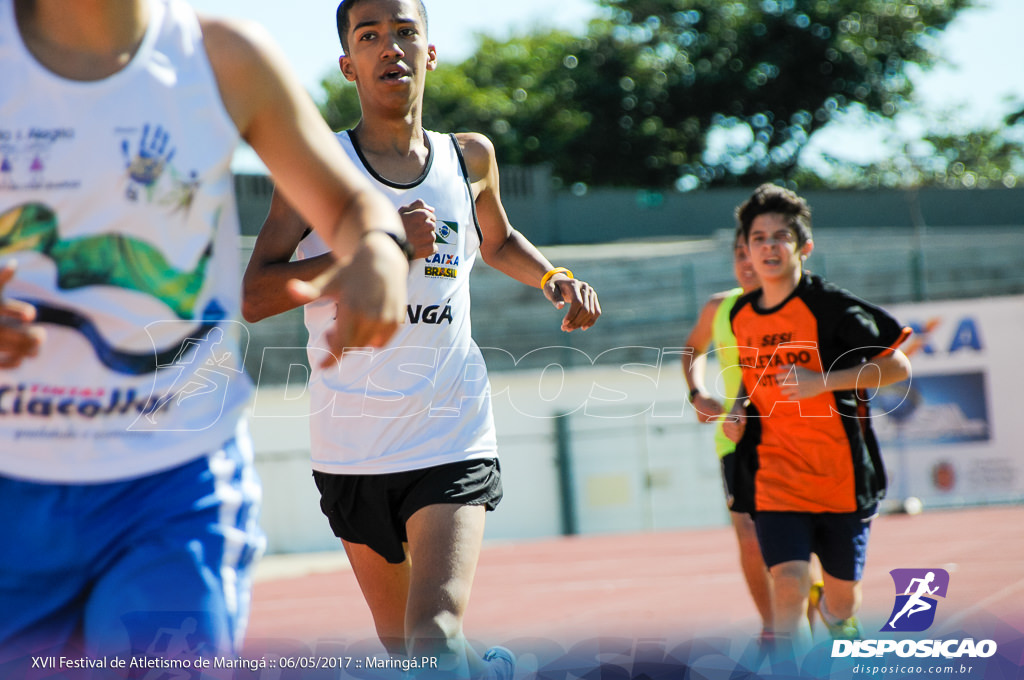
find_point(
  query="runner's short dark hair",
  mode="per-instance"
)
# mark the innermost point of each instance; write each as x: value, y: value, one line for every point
x: 342, y: 18
x: 771, y: 198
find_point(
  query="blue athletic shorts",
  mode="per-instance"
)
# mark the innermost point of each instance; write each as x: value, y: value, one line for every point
x: 158, y: 565
x: 840, y: 540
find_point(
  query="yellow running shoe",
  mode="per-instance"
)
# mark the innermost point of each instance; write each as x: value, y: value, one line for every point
x: 847, y: 629
x: 813, y: 602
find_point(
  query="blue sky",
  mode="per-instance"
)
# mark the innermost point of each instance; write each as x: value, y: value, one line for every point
x: 981, y: 81
x: 305, y: 28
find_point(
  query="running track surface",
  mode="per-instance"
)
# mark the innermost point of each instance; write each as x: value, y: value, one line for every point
x: 667, y: 585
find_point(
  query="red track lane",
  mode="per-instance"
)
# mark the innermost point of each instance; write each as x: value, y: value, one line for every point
x: 670, y: 585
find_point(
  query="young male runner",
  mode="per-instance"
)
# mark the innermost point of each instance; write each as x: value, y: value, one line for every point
x: 714, y: 330
x: 808, y: 351
x: 126, y: 476
x: 403, y: 441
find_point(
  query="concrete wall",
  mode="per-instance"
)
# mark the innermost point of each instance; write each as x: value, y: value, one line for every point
x: 553, y: 217
x: 639, y: 459
x: 603, y: 215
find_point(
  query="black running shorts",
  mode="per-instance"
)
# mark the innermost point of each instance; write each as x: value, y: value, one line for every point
x: 735, y: 498
x: 373, y: 509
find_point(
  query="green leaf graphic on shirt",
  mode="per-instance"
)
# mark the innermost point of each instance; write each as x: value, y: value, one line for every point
x: 447, y: 233
x: 103, y: 260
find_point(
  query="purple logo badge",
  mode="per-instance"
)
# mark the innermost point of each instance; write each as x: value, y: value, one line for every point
x: 916, y: 590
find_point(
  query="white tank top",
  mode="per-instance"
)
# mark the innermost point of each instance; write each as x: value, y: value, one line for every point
x: 423, y: 400
x: 117, y: 203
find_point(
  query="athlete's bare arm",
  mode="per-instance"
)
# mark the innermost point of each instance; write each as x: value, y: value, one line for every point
x: 735, y: 422
x: 264, y: 285
x: 281, y: 123
x: 694, y: 361
x: 883, y: 370
x: 508, y: 251
x: 271, y: 266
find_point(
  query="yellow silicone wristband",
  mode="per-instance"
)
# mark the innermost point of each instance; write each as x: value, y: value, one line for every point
x: 557, y: 270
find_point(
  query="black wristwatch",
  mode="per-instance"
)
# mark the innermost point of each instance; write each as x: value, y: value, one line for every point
x: 401, y: 241
x: 693, y: 393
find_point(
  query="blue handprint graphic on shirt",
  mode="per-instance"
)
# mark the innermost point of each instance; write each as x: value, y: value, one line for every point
x: 153, y: 155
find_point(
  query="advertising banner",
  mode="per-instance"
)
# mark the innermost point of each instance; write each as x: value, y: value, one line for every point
x: 951, y: 435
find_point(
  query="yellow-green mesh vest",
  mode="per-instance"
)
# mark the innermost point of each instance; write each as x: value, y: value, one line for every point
x: 724, y: 343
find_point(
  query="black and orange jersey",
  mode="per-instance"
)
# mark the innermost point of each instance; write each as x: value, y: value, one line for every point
x: 817, y: 454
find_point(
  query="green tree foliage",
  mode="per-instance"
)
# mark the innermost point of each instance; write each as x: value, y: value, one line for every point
x: 683, y: 93
x: 341, y: 106
x: 983, y: 158
x: 760, y: 77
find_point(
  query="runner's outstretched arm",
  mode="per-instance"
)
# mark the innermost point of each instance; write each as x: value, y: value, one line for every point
x: 508, y: 251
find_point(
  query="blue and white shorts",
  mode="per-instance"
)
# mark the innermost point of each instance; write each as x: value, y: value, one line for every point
x: 159, y: 565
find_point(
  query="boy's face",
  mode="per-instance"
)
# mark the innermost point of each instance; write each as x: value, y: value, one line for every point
x: 388, y: 52
x: 774, y: 253
x: 742, y: 268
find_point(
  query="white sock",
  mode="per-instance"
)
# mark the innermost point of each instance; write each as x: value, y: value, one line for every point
x: 828, y: 616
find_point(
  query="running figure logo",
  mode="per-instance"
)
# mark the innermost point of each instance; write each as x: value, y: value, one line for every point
x: 914, y: 610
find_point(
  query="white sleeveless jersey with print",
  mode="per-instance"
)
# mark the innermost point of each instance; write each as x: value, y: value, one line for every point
x: 424, y: 399
x: 117, y: 203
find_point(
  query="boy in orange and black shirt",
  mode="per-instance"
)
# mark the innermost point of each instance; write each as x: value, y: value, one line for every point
x: 814, y: 473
